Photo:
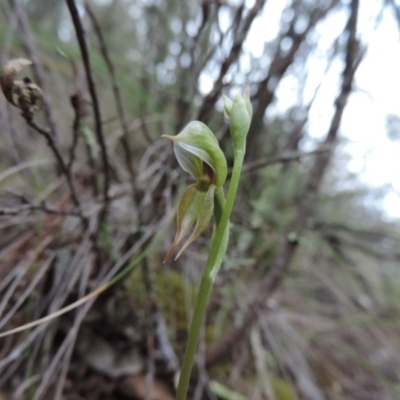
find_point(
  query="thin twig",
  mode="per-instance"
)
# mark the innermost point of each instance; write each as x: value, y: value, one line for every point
x: 78, y: 104
x: 36, y: 207
x: 188, y: 82
x: 50, y: 141
x: 20, y: 167
x: 281, y: 61
x: 116, y: 90
x: 75, y: 103
x: 239, y: 38
x: 95, y: 102
x: 28, y: 291
x: 284, y: 158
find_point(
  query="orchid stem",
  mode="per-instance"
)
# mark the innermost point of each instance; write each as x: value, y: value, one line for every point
x: 219, y: 243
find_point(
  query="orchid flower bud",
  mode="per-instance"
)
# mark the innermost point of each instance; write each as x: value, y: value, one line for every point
x: 240, y: 118
x: 198, y: 153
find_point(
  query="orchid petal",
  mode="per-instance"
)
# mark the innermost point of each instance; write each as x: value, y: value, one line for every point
x: 205, y: 211
x: 192, y: 165
x: 186, y: 217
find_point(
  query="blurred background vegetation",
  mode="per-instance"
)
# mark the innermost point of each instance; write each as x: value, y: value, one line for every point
x: 307, y: 303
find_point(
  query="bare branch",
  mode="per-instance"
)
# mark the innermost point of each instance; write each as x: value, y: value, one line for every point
x: 96, y: 109
x: 118, y: 101
x: 242, y: 30
x: 284, y: 158
x: 280, y: 64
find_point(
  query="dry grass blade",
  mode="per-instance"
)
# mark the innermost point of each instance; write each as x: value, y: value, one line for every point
x: 54, y: 315
x: 38, y: 276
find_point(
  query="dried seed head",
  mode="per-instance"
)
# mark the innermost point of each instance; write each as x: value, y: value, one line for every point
x: 10, y: 71
x: 25, y: 94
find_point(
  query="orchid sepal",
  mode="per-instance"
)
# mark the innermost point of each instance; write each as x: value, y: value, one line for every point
x: 196, y: 206
x: 195, y: 145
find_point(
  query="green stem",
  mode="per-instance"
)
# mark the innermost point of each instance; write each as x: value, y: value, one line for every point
x: 216, y: 255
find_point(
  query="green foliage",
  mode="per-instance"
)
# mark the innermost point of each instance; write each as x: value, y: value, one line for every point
x: 175, y: 297
x: 283, y: 390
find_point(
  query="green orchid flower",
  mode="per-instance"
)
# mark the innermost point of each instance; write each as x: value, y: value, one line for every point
x: 198, y: 153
